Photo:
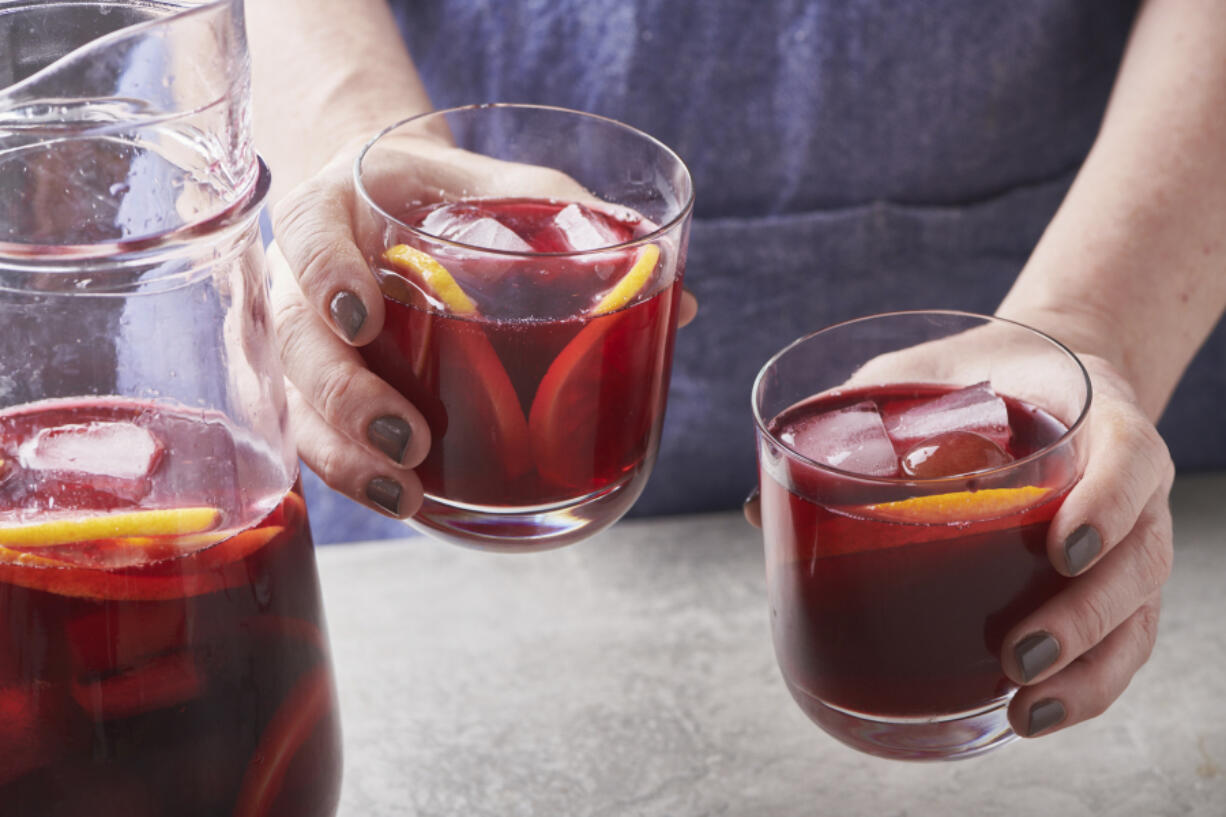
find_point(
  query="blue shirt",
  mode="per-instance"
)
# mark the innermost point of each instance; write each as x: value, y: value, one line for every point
x: 849, y: 157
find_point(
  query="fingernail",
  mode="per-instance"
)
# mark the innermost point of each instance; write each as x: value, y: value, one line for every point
x: 1044, y: 715
x: 1080, y: 548
x: 348, y: 312
x: 390, y: 435
x: 385, y: 493
x: 751, y: 496
x: 1035, y: 653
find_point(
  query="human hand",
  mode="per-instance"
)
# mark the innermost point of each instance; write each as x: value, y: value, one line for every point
x: 358, y: 433
x: 1074, y: 655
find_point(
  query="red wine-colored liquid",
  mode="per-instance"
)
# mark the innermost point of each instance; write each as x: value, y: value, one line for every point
x: 152, y: 675
x: 533, y: 401
x: 904, y: 618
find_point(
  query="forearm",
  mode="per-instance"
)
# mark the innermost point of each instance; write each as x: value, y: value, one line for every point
x: 325, y: 73
x: 1133, y: 266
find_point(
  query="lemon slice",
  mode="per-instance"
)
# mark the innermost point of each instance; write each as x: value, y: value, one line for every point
x: 161, y: 522
x: 434, y: 275
x: 960, y: 506
x: 631, y: 283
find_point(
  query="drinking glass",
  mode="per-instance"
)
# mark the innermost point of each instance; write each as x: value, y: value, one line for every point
x: 909, y: 466
x: 531, y: 261
x: 162, y: 644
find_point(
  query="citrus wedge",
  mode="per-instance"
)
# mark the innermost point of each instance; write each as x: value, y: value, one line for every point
x: 434, y: 275
x: 631, y: 283
x: 207, y: 571
x: 160, y: 682
x: 450, y: 370
x: 139, y: 526
x: 593, y: 415
x: 959, y: 506
x: 292, y: 726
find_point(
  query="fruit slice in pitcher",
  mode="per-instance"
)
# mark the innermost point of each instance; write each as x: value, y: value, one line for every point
x: 206, y: 571
x: 582, y: 438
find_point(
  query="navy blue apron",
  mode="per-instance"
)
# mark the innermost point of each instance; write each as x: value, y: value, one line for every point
x: 849, y: 157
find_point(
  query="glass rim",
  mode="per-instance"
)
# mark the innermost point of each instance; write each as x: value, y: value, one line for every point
x: 682, y: 214
x: 1069, y: 433
x: 175, y: 10
x: 60, y: 259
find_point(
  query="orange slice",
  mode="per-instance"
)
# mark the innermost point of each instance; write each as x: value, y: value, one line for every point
x: 136, y: 525
x: 292, y: 726
x: 959, y: 506
x: 434, y: 275
x: 631, y: 283
x: 207, y: 571
x: 592, y: 417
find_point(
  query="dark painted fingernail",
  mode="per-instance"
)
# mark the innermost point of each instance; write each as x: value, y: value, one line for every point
x: 348, y: 312
x: 390, y: 435
x: 385, y: 493
x: 1035, y: 653
x: 1080, y: 548
x: 1044, y: 715
x: 752, y: 496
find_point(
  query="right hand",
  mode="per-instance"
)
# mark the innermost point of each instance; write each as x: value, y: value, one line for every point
x: 361, y: 436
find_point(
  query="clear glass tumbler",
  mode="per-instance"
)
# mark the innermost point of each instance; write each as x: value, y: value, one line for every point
x: 910, y: 465
x: 531, y: 262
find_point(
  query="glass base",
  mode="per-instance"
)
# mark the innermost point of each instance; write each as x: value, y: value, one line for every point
x: 527, y: 529
x: 939, y: 737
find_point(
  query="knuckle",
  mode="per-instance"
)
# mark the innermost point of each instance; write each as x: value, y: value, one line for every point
x: 1157, y: 556
x: 1119, y: 510
x: 289, y: 214
x: 1100, y: 696
x: 289, y: 318
x: 1147, y: 619
x: 317, y: 255
x: 331, y: 392
x: 1132, y: 431
x: 329, y: 463
x: 1091, y: 620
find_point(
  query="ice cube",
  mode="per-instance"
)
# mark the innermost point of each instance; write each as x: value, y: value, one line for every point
x: 850, y: 439
x: 491, y: 234
x: 585, y: 230
x: 113, y: 457
x: 469, y: 224
x: 445, y: 221
x: 975, y: 408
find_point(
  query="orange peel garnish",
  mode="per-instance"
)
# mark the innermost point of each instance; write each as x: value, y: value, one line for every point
x: 135, y: 526
x: 434, y: 275
x: 631, y: 283
x: 959, y: 506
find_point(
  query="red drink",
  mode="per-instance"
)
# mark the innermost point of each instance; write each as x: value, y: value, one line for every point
x: 905, y: 519
x: 890, y: 599
x: 550, y: 390
x: 161, y: 637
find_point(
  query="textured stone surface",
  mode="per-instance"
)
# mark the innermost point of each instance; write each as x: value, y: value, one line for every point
x: 633, y: 675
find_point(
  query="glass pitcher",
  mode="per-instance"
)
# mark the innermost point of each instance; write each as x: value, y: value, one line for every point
x: 162, y: 644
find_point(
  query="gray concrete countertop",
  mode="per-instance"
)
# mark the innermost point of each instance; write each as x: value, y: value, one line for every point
x: 633, y: 675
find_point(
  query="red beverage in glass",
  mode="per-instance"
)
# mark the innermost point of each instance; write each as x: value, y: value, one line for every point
x: 548, y: 391
x: 910, y: 465
x: 161, y: 638
x: 889, y: 602
x: 531, y: 260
